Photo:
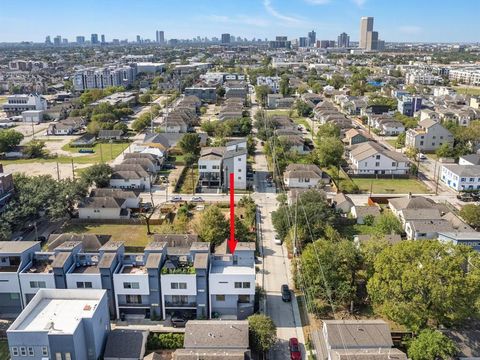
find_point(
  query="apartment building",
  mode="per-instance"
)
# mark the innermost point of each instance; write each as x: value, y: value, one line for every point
x: 372, y: 158
x: 422, y: 77
x: 461, y: 177
x: 101, y: 78
x: 428, y: 136
x: 409, y: 105
x: 17, y: 104
x: 232, y: 282
x: 62, y: 325
x: 470, y: 76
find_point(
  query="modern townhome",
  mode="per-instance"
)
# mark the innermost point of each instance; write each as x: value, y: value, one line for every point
x: 131, y: 177
x: 14, y: 257
x: 151, y: 161
x: 428, y: 136
x: 471, y: 239
x: 357, y: 339
x: 232, y: 282
x: 136, y: 283
x: 217, y: 163
x: 61, y: 324
x: 471, y: 159
x: 184, y: 281
x: 461, y: 177
x: 372, y: 158
x: 303, y: 176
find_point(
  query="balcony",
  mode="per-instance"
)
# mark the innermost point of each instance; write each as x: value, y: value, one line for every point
x: 170, y: 304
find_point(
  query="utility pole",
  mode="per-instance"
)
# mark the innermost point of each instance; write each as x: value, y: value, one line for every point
x: 58, y: 172
x: 438, y: 179
x: 101, y: 152
x: 73, y: 171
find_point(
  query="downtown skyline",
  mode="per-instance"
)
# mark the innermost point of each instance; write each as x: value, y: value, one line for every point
x: 409, y: 22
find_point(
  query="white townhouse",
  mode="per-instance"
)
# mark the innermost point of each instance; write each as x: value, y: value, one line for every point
x: 371, y: 158
x: 461, y: 177
x: 302, y: 176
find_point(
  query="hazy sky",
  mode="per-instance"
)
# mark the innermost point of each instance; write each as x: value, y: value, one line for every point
x: 406, y: 20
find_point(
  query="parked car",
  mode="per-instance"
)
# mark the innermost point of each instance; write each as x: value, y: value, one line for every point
x: 286, y: 294
x: 18, y: 238
x: 176, y: 198
x: 197, y: 199
x: 178, y: 321
x: 277, y: 240
x: 294, y: 348
x: 168, y: 166
x: 422, y: 156
x: 465, y: 197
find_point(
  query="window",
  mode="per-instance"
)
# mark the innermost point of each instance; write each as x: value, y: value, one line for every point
x: 44, y: 351
x: 220, y: 297
x: 377, y: 157
x: 377, y: 163
x: 14, y: 296
x: 182, y: 285
x: 68, y: 356
x: 38, y: 284
x: 131, y: 285
x: 23, y: 351
x: 134, y: 299
x: 84, y: 285
x: 394, y: 164
x: 174, y: 285
x: 203, y: 167
x: 243, y: 298
x: 30, y: 351
x: 14, y: 351
x: 238, y: 285
x: 246, y: 285
x: 58, y: 356
x: 239, y: 170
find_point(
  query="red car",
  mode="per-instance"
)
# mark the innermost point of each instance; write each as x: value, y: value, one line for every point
x: 294, y: 348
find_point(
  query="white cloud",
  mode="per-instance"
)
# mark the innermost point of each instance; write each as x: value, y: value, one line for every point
x: 270, y: 9
x: 410, y: 29
x: 359, y: 3
x: 318, y: 2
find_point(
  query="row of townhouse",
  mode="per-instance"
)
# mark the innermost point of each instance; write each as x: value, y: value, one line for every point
x: 217, y: 163
x: 386, y: 124
x: 232, y: 109
x: 288, y: 133
x: 372, y: 158
x: 351, y: 105
x: 175, y: 274
x: 325, y: 112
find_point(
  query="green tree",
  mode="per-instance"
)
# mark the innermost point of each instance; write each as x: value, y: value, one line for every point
x: 9, y: 139
x: 328, y: 272
x: 121, y: 126
x: 98, y: 175
x: 284, y: 85
x: 416, y: 283
x: 445, y: 151
x: 400, y: 142
x: 328, y: 130
x: 35, y: 149
x: 370, y: 249
x: 262, y: 333
x: 213, y: 227
x: 337, y: 81
x: 221, y: 92
x: 145, y: 98
x: 411, y: 153
x: 387, y: 223
x: 303, y: 109
x: 190, y: 144
x: 329, y: 151
x: 431, y: 344
x: 261, y: 92
x: 471, y: 214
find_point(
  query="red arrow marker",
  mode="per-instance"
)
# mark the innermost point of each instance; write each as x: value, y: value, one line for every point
x: 232, y: 243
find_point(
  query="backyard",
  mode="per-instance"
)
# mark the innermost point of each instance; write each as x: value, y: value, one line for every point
x: 391, y: 186
x: 474, y: 91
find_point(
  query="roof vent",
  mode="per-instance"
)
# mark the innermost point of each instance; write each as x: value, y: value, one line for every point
x: 87, y: 308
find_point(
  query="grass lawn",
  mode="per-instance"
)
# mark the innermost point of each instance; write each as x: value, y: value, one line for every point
x: 133, y: 235
x: 392, y: 142
x: 4, y: 353
x: 189, y: 182
x: 285, y: 112
x: 467, y: 90
x: 391, y: 186
x: 106, y: 152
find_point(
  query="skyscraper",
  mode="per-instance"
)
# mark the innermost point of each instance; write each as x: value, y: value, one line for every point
x: 160, y: 37
x: 225, y: 38
x: 312, y: 38
x: 94, y: 38
x: 302, y: 42
x: 102, y: 37
x: 57, y: 40
x: 47, y: 40
x: 139, y: 39
x: 80, y: 39
x: 366, y: 25
x: 372, y: 41
x: 343, y: 40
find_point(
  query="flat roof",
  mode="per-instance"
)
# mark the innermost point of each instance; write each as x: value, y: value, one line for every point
x: 56, y: 315
x: 232, y: 270
x: 18, y: 247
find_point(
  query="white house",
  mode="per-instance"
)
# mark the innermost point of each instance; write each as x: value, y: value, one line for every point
x: 32, y: 116
x: 428, y: 136
x: 103, y: 207
x: 461, y: 177
x: 302, y: 176
x: 179, y: 290
x: 210, y: 167
x: 16, y: 104
x: 372, y: 158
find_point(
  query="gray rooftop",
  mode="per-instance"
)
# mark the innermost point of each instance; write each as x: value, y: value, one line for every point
x: 214, y: 334
x: 125, y: 344
x: 349, y: 334
x: 16, y: 247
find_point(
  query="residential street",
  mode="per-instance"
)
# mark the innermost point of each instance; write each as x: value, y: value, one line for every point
x: 275, y: 267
